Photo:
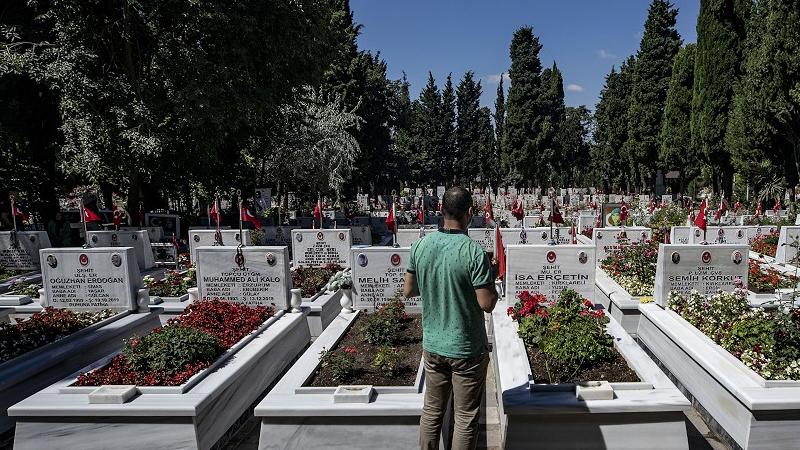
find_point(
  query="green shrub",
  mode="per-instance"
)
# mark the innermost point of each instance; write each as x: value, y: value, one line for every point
x: 387, y: 360
x: 170, y: 349
x: 342, y: 364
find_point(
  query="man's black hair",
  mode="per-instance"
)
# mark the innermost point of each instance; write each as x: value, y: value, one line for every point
x: 456, y: 202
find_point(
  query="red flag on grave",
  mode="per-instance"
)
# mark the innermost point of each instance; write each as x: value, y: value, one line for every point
x: 701, y: 221
x: 318, y: 212
x: 652, y: 206
x: 117, y: 217
x: 487, y: 211
x: 421, y: 211
x: 247, y: 216
x: 777, y: 206
x: 555, y: 215
x: 391, y: 223
x: 737, y: 206
x: 721, y: 209
x: 758, y: 211
x: 90, y: 216
x: 213, y: 213
x: 500, y: 253
x: 623, y: 214
x: 517, y: 210
x: 16, y: 212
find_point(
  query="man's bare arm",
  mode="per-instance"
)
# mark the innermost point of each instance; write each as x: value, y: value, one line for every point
x: 410, y: 288
x: 487, y: 297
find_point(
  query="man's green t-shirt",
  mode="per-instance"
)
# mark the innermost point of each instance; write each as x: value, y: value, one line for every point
x: 449, y: 266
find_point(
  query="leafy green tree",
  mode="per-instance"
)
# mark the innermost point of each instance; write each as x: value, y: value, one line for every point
x: 610, y: 166
x: 470, y: 142
x: 659, y: 45
x: 721, y: 33
x: 677, y: 150
x: 520, y: 146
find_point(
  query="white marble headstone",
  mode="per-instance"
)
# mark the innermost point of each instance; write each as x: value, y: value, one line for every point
x: 679, y: 235
x: 139, y: 240
x: 20, y: 252
x: 206, y: 238
x: 541, y: 235
x: 169, y: 223
x: 760, y: 230
x: 90, y: 279
x: 532, y: 221
x: 318, y: 248
x: 378, y: 275
x: 719, y: 235
x: 704, y: 268
x: 361, y: 235
x: 407, y: 236
x: 154, y: 233
x: 787, y: 245
x: 259, y: 276
x: 278, y: 236
x: 549, y: 269
x: 607, y: 240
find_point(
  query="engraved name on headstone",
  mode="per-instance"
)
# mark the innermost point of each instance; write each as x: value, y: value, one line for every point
x: 318, y: 248
x: 255, y: 276
x: 550, y: 269
x: 20, y: 251
x: 378, y: 275
x: 91, y: 279
x: 704, y: 268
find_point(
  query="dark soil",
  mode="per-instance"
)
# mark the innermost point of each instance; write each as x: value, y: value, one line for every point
x: 616, y: 370
x: 410, y: 348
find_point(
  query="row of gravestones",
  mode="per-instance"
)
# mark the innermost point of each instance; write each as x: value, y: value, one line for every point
x: 109, y: 278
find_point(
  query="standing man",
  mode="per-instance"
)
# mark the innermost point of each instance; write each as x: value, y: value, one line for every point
x: 453, y: 275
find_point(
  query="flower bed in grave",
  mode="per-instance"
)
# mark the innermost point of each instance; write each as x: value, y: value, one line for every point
x: 202, y: 336
x: 43, y: 328
x: 24, y: 288
x: 767, y: 342
x: 173, y: 284
x: 766, y: 244
x: 312, y: 280
x: 383, y: 348
x: 633, y: 267
x: 766, y: 280
x: 566, y: 340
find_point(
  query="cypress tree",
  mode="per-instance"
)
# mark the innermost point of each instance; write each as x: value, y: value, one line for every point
x: 499, y: 121
x: 677, y: 151
x: 489, y: 158
x: 660, y: 43
x: 447, y: 152
x: 468, y: 130
x: 550, y: 106
x: 518, y: 143
x: 427, y: 132
x: 720, y: 40
x: 764, y: 128
x: 573, y: 141
x: 611, y: 167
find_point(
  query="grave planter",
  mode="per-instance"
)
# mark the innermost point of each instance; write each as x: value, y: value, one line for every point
x: 294, y: 416
x: 28, y: 277
x: 618, y: 303
x: 753, y: 412
x: 646, y: 414
x: 28, y: 373
x: 322, y: 310
x: 194, y: 415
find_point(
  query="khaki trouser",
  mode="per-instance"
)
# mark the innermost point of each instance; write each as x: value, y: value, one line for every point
x: 466, y: 379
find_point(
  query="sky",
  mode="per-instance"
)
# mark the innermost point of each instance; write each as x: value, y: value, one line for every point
x: 584, y: 37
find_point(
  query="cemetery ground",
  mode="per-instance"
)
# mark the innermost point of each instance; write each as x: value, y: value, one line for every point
x: 621, y: 324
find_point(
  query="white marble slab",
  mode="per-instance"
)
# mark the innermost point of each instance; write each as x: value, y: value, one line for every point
x: 138, y: 240
x: 193, y: 420
x: 752, y: 415
x: 20, y: 250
